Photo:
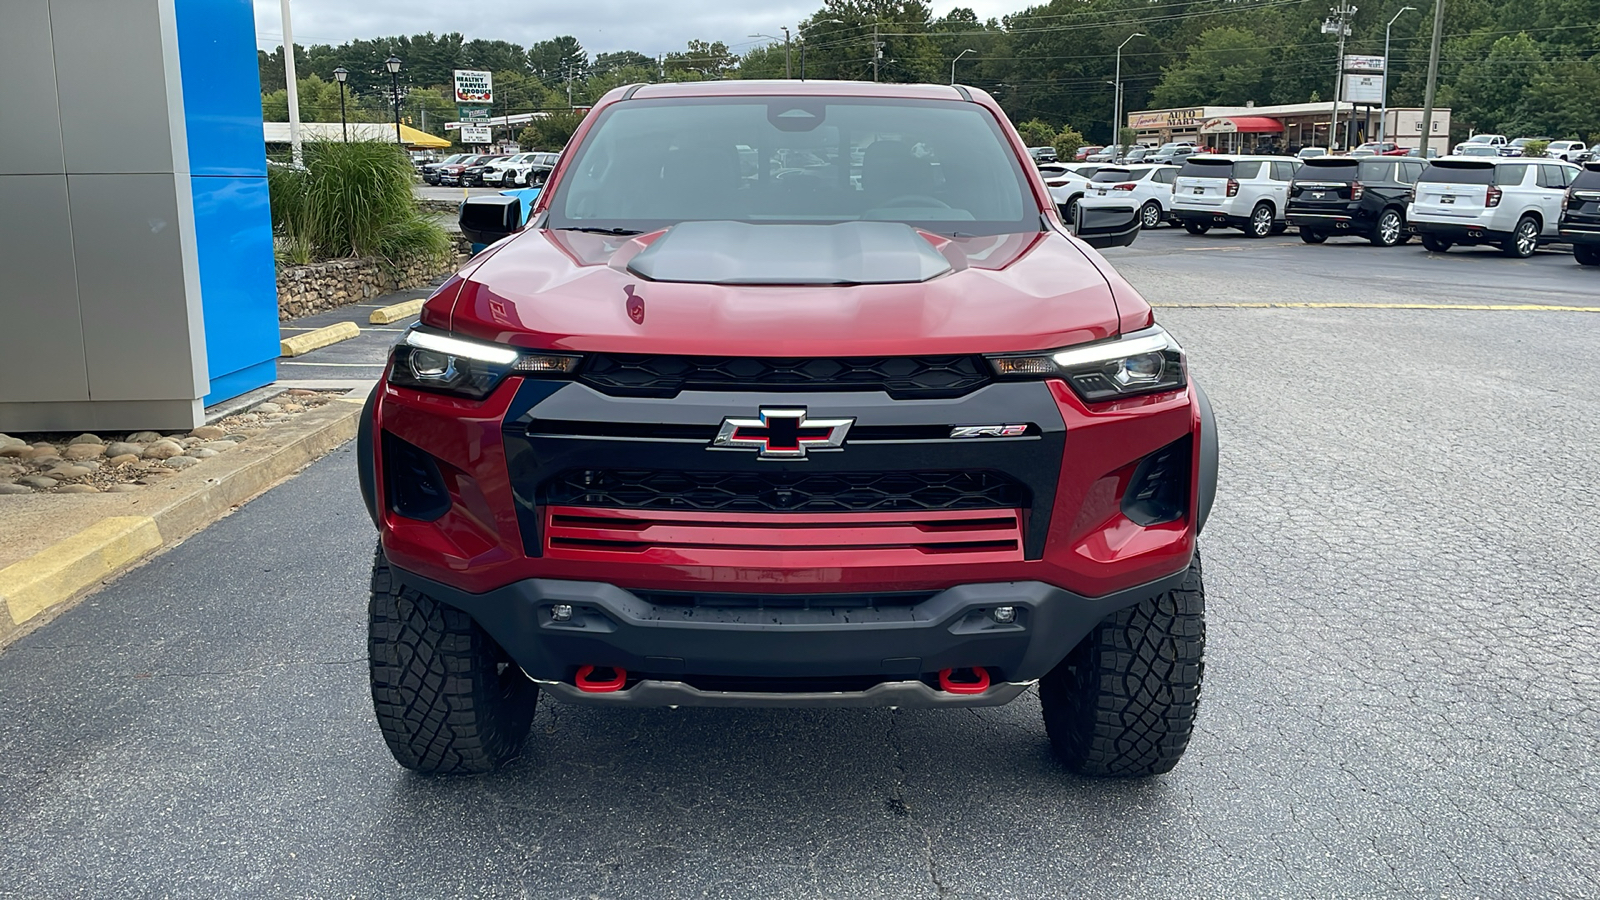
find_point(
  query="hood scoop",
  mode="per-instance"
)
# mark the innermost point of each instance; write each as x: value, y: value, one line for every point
x: 742, y: 253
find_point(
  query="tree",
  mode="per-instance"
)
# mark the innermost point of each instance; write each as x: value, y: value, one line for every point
x: 1037, y: 133
x: 1225, y: 66
x: 551, y: 132
x: 606, y: 63
x: 764, y: 62
x: 558, y: 59
x: 1067, y: 143
x: 701, y: 59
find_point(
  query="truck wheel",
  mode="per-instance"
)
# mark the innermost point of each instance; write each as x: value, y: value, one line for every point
x: 1312, y: 237
x: 1586, y: 256
x: 1524, y: 240
x: 1123, y: 702
x: 1196, y: 227
x: 1435, y: 244
x: 448, y: 699
x: 1260, y: 224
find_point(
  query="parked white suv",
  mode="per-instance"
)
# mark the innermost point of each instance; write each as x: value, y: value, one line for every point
x: 1513, y: 203
x: 1247, y: 192
x: 1145, y: 188
x: 1482, y: 140
x: 1067, y: 183
x: 513, y: 170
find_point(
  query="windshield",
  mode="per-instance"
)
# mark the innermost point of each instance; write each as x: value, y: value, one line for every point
x: 647, y: 164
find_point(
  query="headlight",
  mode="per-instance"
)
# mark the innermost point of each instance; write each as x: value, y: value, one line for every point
x: 1142, y: 362
x: 433, y: 360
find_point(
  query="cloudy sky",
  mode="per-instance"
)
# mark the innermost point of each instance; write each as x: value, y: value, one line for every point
x: 599, y: 25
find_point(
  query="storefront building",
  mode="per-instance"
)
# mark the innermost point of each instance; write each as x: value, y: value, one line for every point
x: 1284, y: 128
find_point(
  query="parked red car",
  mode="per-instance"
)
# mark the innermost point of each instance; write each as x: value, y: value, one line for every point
x: 713, y: 431
x: 1384, y: 148
x: 1083, y: 152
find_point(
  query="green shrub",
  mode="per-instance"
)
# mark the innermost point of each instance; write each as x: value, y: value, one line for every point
x: 1036, y: 133
x: 1535, y: 148
x: 1067, y: 143
x: 352, y: 199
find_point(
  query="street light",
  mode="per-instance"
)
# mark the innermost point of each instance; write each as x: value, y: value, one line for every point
x: 829, y: 21
x: 340, y: 75
x: 956, y: 60
x: 393, y: 65
x: 1383, y: 120
x: 1116, y: 121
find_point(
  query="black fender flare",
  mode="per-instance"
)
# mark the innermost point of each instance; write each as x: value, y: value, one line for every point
x: 366, y: 467
x: 1206, y: 490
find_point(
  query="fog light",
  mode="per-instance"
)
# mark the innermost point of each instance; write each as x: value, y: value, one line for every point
x: 1005, y: 615
x: 561, y: 612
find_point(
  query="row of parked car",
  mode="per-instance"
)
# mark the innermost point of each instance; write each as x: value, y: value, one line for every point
x: 498, y: 169
x: 1515, y: 203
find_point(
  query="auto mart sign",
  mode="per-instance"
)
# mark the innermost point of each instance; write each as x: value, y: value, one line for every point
x: 1167, y: 118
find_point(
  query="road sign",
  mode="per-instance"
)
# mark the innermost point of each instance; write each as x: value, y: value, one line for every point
x: 476, y: 134
x: 473, y: 86
x: 1363, y: 88
x: 473, y: 113
x: 1366, y: 65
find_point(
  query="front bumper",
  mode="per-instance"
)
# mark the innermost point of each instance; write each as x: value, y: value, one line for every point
x: 786, y: 654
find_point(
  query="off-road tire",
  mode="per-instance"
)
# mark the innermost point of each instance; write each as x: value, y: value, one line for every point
x: 1312, y: 237
x: 1390, y: 230
x: 1586, y: 255
x: 1259, y: 226
x: 1196, y: 227
x: 1123, y: 702
x: 1524, y: 240
x: 448, y: 700
x: 1150, y: 216
x: 1436, y: 244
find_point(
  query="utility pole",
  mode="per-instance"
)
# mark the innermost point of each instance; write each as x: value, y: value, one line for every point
x: 787, y: 71
x: 294, y: 87
x: 568, y: 66
x: 877, y: 48
x: 1433, y: 78
x: 1340, y: 25
x: 1383, y: 120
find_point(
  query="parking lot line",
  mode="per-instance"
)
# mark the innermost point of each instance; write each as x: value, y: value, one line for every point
x: 1289, y: 304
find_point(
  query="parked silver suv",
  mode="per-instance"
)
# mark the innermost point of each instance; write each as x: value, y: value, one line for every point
x: 1513, y: 203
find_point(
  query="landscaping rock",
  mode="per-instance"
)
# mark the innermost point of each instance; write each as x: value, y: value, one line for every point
x: 64, y: 472
x: 15, y: 449
x: 86, y: 439
x: 219, y: 446
x: 77, y: 489
x: 84, y: 451
x: 41, y: 482
x: 200, y: 453
x: 163, y: 449
x: 123, y: 459
x: 123, y: 448
x: 268, y: 408
x: 143, y: 437
x: 181, y: 462
x: 7, y: 487
x: 122, y: 488
x: 207, y: 432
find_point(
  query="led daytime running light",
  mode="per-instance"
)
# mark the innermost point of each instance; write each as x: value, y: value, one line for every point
x: 489, y: 353
x: 1114, y: 350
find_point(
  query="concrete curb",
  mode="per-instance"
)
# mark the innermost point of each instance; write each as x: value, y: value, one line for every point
x: 46, y: 584
x: 301, y: 344
x: 388, y: 315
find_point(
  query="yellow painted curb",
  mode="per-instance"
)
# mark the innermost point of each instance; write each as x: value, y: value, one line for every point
x: 301, y: 344
x: 1478, y: 307
x: 35, y: 584
x: 385, y: 315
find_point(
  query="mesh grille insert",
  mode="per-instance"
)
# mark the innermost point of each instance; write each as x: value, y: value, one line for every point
x: 783, y: 491
x: 900, y: 376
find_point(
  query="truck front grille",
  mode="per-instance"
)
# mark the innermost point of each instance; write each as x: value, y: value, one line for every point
x: 903, y: 377
x: 783, y: 491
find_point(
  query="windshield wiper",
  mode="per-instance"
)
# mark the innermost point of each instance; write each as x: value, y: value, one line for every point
x: 587, y: 229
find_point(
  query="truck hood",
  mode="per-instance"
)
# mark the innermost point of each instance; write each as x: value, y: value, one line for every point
x: 568, y: 290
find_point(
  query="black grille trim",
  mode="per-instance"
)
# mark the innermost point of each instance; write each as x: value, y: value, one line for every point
x: 714, y: 600
x: 902, y: 377
x: 783, y: 491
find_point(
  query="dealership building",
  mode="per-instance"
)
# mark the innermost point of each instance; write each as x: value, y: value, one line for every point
x: 1242, y: 128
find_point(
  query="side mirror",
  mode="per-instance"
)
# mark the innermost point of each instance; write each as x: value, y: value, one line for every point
x: 1100, y: 228
x: 485, y: 220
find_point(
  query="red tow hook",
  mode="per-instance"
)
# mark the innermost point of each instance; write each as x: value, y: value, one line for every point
x: 618, y: 678
x: 974, y: 680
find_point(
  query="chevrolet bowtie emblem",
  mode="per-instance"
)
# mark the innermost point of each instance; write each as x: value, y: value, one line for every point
x: 782, y: 434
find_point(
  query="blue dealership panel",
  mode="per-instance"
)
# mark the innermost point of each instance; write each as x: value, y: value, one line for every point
x: 228, y: 177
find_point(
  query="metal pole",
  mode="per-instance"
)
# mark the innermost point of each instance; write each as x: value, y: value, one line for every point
x: 1116, y: 102
x: 344, y: 124
x: 787, y: 71
x: 293, y: 86
x: 956, y: 60
x: 394, y: 78
x: 1433, y: 78
x: 875, y: 51
x: 1383, y: 120
x: 1341, y: 22
x: 802, y: 57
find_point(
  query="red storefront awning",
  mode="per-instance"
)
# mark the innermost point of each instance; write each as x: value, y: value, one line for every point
x: 1241, y: 125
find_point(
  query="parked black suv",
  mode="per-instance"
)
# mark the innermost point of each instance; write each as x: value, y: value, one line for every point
x: 1580, y: 216
x: 472, y: 176
x: 1364, y: 196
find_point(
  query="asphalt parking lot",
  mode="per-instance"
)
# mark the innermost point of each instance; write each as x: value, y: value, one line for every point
x: 1401, y: 694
